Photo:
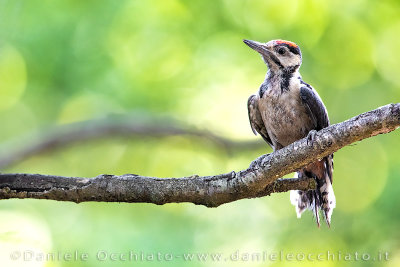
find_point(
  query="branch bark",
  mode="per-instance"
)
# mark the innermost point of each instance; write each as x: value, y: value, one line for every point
x: 260, y: 179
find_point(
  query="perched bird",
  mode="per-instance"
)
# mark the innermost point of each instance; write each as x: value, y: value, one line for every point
x: 287, y: 109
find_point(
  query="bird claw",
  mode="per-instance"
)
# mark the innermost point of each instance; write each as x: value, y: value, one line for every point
x: 255, y: 163
x: 311, y: 137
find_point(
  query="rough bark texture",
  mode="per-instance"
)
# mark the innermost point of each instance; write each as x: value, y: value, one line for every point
x: 210, y: 191
x: 260, y: 179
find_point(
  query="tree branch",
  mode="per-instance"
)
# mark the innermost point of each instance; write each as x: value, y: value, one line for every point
x: 260, y: 179
x: 127, y: 126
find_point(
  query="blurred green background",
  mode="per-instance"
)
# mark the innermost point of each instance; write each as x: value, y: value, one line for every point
x: 69, y: 61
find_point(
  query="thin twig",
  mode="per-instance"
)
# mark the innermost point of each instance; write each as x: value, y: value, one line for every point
x: 59, y: 136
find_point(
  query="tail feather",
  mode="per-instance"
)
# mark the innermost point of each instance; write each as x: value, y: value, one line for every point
x: 316, y: 208
x: 323, y: 197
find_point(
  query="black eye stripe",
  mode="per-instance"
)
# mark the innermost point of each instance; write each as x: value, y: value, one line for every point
x: 276, y: 61
x: 294, y: 50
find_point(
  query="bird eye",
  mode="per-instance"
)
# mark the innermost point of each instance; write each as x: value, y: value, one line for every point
x: 281, y: 51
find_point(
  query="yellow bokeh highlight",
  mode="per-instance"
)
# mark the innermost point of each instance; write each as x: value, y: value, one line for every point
x: 12, y: 76
x: 21, y: 238
x: 393, y: 259
x: 219, y: 95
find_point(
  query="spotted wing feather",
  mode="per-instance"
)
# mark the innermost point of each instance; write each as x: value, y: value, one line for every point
x: 256, y: 121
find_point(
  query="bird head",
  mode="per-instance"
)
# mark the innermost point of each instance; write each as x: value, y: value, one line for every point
x: 279, y: 55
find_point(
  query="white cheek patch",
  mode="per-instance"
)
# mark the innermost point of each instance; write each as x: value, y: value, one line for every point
x: 290, y: 61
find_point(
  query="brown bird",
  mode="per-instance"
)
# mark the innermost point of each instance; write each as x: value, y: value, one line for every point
x: 287, y: 109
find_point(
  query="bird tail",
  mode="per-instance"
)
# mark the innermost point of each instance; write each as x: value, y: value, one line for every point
x: 323, y: 197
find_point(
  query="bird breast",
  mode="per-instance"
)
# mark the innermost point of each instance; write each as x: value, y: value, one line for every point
x: 284, y: 116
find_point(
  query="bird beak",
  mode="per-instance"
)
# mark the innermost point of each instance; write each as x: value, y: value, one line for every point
x: 259, y: 47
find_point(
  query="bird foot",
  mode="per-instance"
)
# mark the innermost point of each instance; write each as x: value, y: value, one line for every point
x: 311, y: 137
x: 255, y: 163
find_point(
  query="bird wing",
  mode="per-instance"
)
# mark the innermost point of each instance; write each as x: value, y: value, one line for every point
x: 314, y: 107
x: 256, y: 121
x: 319, y: 115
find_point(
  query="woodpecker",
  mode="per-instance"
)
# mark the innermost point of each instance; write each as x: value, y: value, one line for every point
x: 287, y: 109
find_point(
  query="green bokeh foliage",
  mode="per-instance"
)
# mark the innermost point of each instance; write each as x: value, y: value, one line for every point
x: 68, y: 61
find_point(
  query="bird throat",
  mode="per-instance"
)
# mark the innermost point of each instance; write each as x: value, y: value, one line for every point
x: 279, y: 81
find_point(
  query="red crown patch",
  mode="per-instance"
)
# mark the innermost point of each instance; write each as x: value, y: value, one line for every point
x: 287, y: 42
